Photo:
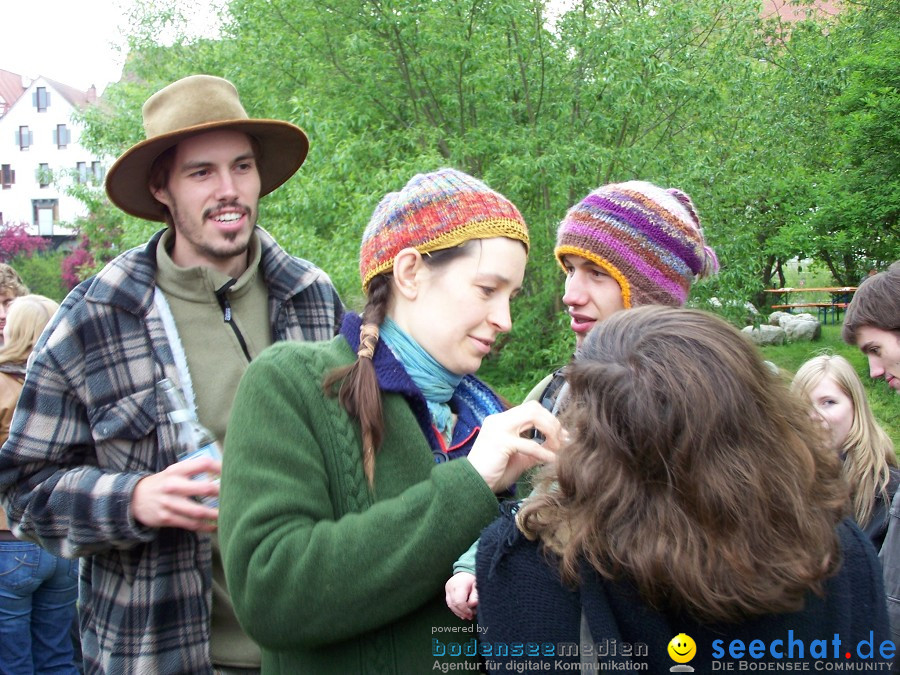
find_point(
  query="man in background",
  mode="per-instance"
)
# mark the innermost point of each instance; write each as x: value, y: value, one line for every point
x: 872, y: 323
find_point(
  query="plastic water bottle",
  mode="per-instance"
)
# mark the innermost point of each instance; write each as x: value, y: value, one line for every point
x: 194, y: 439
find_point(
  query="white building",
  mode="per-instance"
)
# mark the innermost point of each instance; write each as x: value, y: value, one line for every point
x: 40, y: 154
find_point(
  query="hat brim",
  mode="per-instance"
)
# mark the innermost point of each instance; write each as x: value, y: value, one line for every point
x: 283, y: 148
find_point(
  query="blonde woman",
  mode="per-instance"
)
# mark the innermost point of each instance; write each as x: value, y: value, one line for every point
x: 37, y: 590
x: 28, y: 314
x: 870, y: 465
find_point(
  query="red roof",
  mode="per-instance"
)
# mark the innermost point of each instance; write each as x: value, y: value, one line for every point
x: 789, y: 11
x: 75, y: 97
x: 11, y: 89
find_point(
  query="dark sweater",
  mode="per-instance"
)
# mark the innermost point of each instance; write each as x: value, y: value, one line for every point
x: 523, y: 602
x: 876, y: 528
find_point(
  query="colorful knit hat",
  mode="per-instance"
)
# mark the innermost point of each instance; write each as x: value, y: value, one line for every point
x: 647, y: 238
x: 433, y: 211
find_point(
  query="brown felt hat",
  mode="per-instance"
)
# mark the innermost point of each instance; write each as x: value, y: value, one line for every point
x: 195, y: 105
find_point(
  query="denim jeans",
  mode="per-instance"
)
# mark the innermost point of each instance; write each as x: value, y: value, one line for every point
x: 37, y: 605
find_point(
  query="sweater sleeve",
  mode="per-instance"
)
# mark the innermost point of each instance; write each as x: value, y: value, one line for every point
x: 50, y: 483
x: 311, y: 558
x: 466, y: 562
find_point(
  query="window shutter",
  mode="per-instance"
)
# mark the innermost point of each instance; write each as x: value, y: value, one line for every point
x: 34, y: 98
x: 55, y: 137
x: 30, y: 138
x: 47, y: 98
x: 68, y: 135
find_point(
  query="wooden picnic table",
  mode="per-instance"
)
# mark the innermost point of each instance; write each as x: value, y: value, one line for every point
x: 840, y: 298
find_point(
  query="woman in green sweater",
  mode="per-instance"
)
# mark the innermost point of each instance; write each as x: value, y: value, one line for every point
x: 340, y: 511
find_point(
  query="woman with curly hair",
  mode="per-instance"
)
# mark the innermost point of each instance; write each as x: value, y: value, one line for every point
x: 694, y: 497
x: 867, y: 452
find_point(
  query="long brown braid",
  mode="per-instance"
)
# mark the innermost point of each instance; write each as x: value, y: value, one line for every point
x: 359, y: 393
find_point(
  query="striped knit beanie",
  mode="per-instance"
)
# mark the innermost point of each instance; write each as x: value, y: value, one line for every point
x: 434, y: 211
x: 647, y: 238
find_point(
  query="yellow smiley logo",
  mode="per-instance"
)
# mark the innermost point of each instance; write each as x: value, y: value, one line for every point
x: 682, y: 648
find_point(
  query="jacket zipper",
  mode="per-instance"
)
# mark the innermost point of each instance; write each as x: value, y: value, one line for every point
x: 222, y: 297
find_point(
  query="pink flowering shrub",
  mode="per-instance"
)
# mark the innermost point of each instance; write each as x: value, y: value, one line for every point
x: 74, y: 263
x: 15, y: 241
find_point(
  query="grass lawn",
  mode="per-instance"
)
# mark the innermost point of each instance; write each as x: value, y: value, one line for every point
x: 885, y: 402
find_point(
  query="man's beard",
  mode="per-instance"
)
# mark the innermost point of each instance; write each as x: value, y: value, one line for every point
x: 229, y: 237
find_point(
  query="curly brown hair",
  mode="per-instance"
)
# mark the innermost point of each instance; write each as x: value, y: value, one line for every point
x: 11, y: 282
x: 692, y: 471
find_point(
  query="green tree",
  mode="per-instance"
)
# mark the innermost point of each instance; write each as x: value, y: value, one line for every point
x: 772, y: 128
x: 857, y: 224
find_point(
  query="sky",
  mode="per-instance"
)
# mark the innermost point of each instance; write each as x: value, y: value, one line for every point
x: 76, y: 42
x: 70, y: 41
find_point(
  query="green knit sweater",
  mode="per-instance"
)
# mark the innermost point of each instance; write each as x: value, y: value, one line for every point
x: 326, y: 576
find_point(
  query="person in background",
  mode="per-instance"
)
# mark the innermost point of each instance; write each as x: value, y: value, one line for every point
x: 341, y: 511
x: 624, y: 245
x: 870, y: 466
x: 90, y: 468
x: 672, y: 511
x: 37, y: 590
x: 872, y: 323
x: 11, y: 287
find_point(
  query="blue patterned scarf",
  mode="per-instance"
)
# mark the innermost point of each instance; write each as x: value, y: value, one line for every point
x: 436, y: 383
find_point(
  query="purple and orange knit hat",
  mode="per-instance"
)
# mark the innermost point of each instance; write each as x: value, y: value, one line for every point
x: 647, y: 238
x: 433, y: 211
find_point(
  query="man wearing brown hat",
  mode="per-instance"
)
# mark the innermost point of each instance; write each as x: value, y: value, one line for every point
x: 90, y: 469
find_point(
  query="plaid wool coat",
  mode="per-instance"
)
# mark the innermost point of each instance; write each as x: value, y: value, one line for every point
x: 89, y: 426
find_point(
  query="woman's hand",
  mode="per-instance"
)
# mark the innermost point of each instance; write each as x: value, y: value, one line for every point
x: 501, y: 453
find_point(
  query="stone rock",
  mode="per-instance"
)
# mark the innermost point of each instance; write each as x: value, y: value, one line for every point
x: 766, y: 336
x: 776, y: 316
x: 784, y: 318
x: 802, y: 328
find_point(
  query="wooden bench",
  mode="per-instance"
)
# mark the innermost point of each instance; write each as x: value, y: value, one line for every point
x: 823, y: 309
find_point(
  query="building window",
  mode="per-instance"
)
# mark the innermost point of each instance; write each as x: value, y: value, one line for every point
x: 81, y: 174
x: 41, y: 99
x: 62, y: 136
x: 44, y: 177
x: 46, y: 213
x: 7, y: 176
x: 97, y: 172
x: 24, y: 138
